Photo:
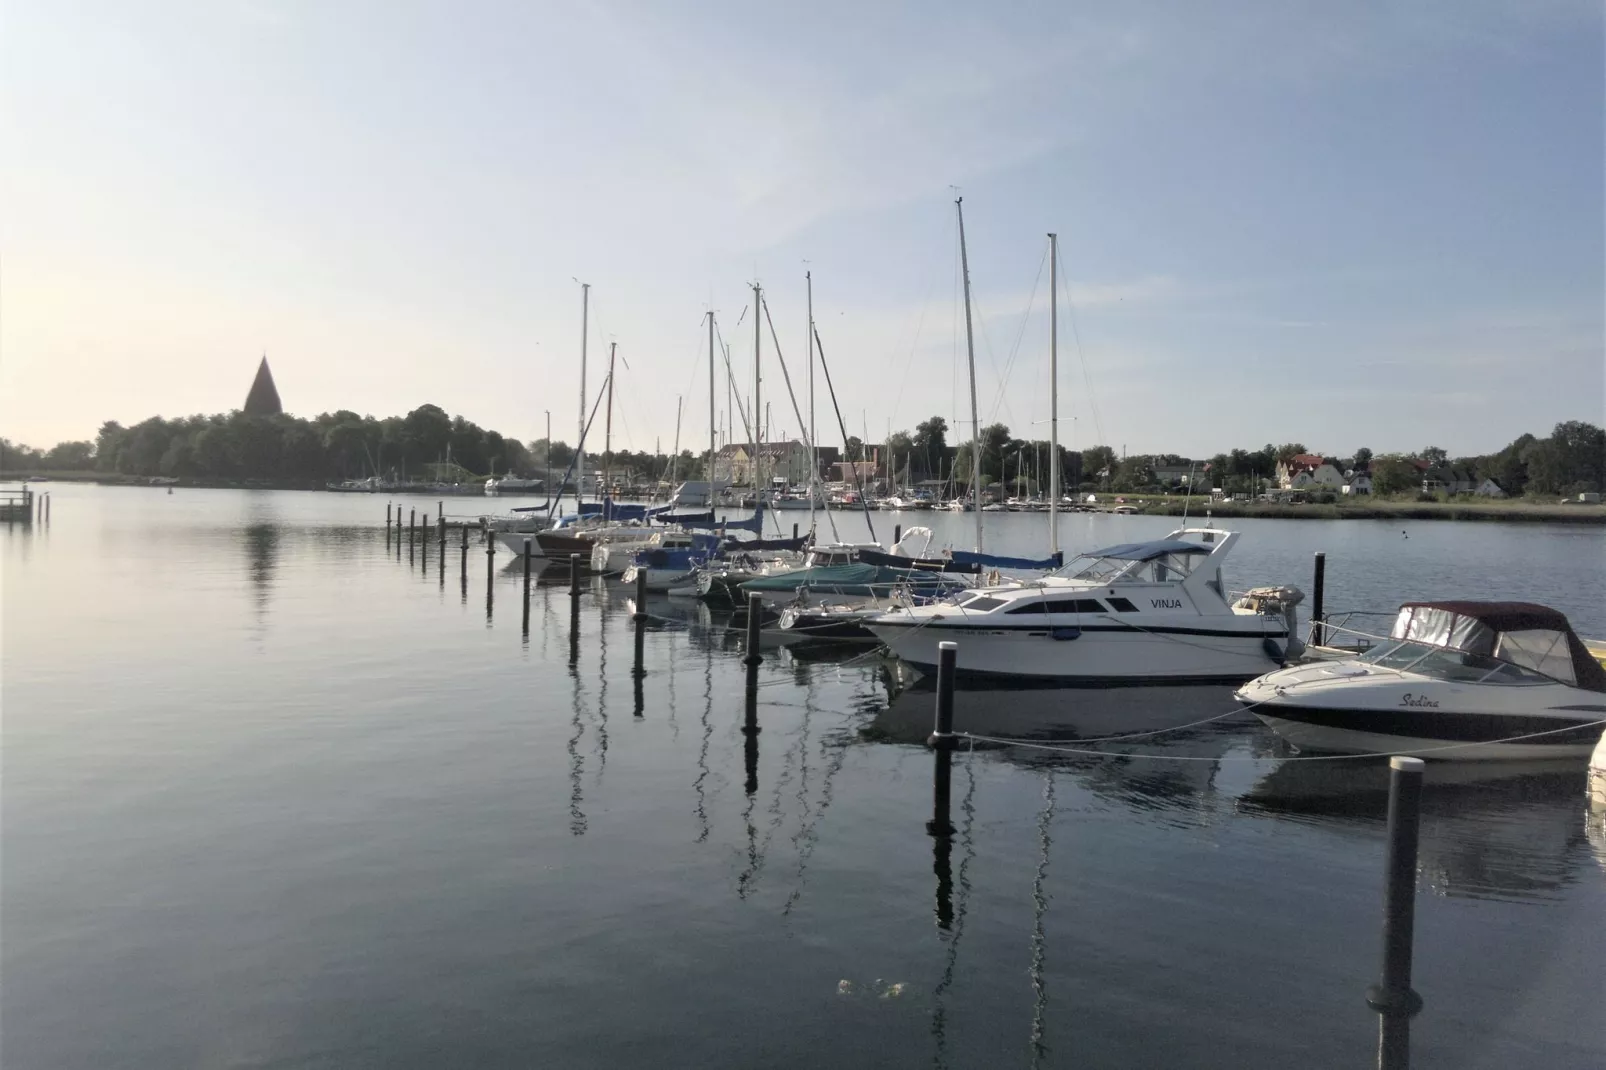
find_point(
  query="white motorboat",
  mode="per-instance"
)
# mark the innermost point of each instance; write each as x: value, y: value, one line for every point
x: 615, y: 549
x: 510, y: 484
x: 1458, y: 680
x: 1134, y: 613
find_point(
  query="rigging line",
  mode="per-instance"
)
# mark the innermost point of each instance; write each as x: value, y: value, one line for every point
x: 814, y: 476
x: 1081, y: 354
x: 1020, y: 335
x: 914, y: 344
x: 730, y: 378
x: 992, y: 360
x: 858, y: 476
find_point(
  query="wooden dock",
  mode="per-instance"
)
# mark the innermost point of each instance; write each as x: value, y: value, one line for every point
x: 20, y: 505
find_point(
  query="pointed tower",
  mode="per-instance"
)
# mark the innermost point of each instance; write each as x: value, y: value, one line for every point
x: 263, y: 400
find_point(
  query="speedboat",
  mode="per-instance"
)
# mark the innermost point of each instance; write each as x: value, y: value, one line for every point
x: 1461, y: 680
x: 1142, y: 612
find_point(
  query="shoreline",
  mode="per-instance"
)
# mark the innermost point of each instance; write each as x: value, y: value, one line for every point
x: 1516, y: 512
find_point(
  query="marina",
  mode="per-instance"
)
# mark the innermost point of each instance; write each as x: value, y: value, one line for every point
x: 406, y: 803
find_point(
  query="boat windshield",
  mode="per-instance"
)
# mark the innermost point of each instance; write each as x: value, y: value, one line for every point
x: 1544, y: 651
x: 1166, y: 568
x: 1449, y: 663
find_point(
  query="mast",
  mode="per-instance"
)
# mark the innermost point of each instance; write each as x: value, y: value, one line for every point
x: 607, y: 434
x: 758, y: 425
x: 1053, y: 394
x: 674, y: 464
x: 711, y: 415
x: 580, y: 449
x: 814, y: 452
x: 970, y: 352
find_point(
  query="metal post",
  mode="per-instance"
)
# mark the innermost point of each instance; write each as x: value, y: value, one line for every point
x: 440, y: 525
x: 897, y: 534
x: 942, y: 743
x: 755, y: 614
x: 1392, y: 994
x: 574, y: 575
x: 641, y: 594
x: 465, y: 536
x: 47, y: 507
x: 412, y: 526
x: 1318, y: 615
x: 527, y: 556
x: 794, y: 531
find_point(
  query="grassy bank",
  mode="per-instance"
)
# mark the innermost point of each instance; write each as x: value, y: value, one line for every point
x: 1382, y: 509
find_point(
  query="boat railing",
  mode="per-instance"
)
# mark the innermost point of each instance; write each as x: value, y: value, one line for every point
x: 1322, y: 629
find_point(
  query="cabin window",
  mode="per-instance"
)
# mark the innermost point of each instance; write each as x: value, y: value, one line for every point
x: 1123, y: 606
x: 983, y: 604
x: 1540, y: 649
x: 1062, y: 605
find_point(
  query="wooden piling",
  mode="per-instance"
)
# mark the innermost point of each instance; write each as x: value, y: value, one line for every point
x: 755, y: 615
x: 574, y: 575
x: 897, y: 534
x: 641, y: 594
x: 1393, y: 994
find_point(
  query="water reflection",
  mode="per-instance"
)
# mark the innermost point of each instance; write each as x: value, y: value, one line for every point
x: 1040, y: 897
x: 957, y: 912
x: 1503, y: 830
x: 262, y: 560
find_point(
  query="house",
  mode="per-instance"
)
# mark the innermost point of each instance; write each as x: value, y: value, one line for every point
x: 1306, y: 471
x: 1357, y: 483
x: 1447, y: 478
x: 1489, y: 489
x: 1180, y: 475
x: 853, y: 473
x: 788, y: 460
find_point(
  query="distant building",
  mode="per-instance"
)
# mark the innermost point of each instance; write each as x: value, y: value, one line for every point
x: 1180, y: 475
x: 787, y: 460
x: 1358, y: 483
x: 1451, y: 480
x: 1489, y: 489
x: 263, y: 400
x: 1307, y: 471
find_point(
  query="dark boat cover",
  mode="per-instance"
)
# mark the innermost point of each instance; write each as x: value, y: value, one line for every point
x: 1494, y: 629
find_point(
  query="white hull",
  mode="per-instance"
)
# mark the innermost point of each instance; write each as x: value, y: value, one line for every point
x: 1353, y: 741
x: 514, y: 541
x: 662, y: 579
x: 1125, y: 655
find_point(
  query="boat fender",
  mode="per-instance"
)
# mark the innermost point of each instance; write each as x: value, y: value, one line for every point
x: 1063, y: 634
x: 1273, y: 651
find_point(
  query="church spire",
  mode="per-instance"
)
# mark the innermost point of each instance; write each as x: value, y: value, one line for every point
x: 263, y: 400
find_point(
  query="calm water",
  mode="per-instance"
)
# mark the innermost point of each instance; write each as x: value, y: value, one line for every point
x: 275, y: 796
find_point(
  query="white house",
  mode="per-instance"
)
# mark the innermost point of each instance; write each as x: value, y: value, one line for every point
x: 1489, y: 489
x: 787, y: 460
x: 1306, y: 471
x: 1358, y: 483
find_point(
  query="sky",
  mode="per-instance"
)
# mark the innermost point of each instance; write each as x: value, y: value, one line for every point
x: 1343, y: 225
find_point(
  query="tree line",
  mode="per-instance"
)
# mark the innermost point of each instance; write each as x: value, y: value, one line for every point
x: 343, y: 445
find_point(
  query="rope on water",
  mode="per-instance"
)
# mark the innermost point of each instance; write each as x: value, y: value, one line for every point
x: 1056, y: 748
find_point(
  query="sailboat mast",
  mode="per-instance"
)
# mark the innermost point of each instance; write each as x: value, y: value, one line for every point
x: 607, y: 431
x: 814, y: 451
x: 712, y: 417
x: 579, y: 449
x: 758, y: 427
x: 970, y: 352
x: 1053, y: 394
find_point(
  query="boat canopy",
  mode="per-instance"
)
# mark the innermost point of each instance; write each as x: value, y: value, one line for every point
x: 1520, y: 633
x: 1148, y: 551
x: 1057, y: 560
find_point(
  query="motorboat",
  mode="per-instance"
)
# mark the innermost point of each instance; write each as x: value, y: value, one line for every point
x: 1459, y: 680
x: 616, y: 550
x: 1140, y: 612
x: 511, y: 484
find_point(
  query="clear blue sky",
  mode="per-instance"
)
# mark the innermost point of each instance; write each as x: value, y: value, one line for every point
x: 1339, y: 224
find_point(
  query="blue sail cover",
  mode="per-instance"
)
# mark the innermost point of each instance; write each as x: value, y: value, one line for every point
x: 969, y: 557
x: 1148, y: 551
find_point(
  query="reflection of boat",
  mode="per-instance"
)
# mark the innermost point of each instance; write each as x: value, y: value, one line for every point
x: 1597, y: 774
x: 1454, y: 680
x: 1139, y: 612
x: 1507, y: 829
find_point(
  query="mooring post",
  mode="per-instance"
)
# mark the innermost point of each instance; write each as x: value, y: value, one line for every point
x: 387, y: 519
x: 440, y: 528
x: 641, y: 594
x: 794, y: 531
x: 440, y: 509
x: 640, y: 617
x: 942, y: 743
x: 574, y: 575
x: 1392, y: 994
x: 412, y: 526
x: 47, y: 508
x: 897, y: 534
x: 1318, y: 614
x: 755, y: 615
x: 527, y: 556
x: 574, y: 632
x: 465, y: 536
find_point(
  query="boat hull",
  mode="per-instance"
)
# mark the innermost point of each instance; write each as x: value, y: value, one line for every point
x: 1085, y: 654
x: 1468, y: 737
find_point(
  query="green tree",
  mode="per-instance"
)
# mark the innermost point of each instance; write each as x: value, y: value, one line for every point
x: 1098, y: 462
x: 1434, y: 455
x: 1393, y: 474
x: 930, y: 447
x: 1362, y: 460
